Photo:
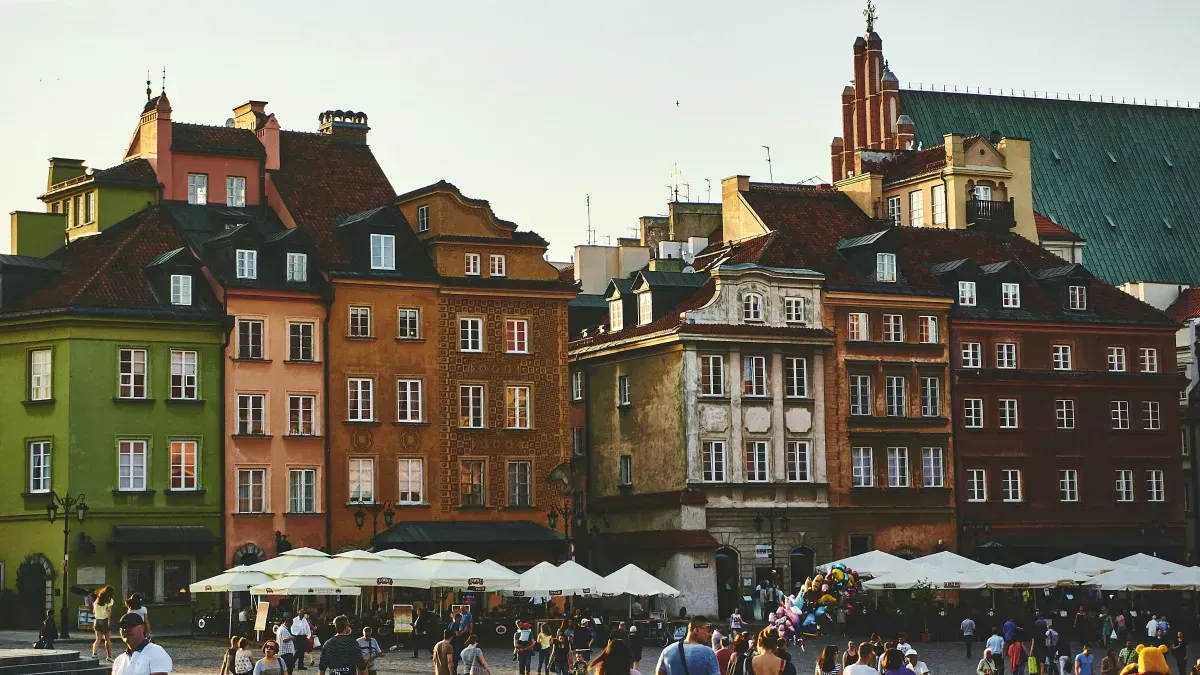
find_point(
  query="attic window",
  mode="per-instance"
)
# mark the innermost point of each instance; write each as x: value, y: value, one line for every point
x: 616, y: 316
x: 1057, y: 156
x: 423, y: 218
x: 181, y: 290
x: 885, y: 267
x: 645, y: 313
x: 383, y: 252
x: 1111, y: 222
x: 1111, y: 157
x: 247, y: 264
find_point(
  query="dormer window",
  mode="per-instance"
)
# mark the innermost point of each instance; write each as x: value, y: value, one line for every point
x: 1010, y: 295
x: 966, y: 293
x: 247, y: 264
x: 497, y: 265
x: 472, y: 264
x: 383, y: 252
x: 616, y: 316
x: 181, y: 290
x: 752, y: 307
x: 645, y: 306
x: 197, y: 188
x: 422, y: 218
x: 1077, y: 298
x: 793, y: 310
x: 885, y: 267
x: 297, y: 267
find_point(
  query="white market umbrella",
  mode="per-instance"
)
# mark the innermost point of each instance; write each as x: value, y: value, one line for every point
x: 396, y: 553
x: 230, y: 581
x: 356, y: 568
x: 537, y: 581
x: 950, y: 561
x: 1039, y: 571
x: 871, y: 563
x: 290, y: 560
x: 494, y: 565
x: 454, y: 570
x: 999, y: 576
x: 578, y: 576
x: 1186, y: 579
x: 1084, y: 564
x: 1121, y: 579
x: 917, y: 574
x: 634, y: 580
x: 1149, y: 562
x: 304, y: 585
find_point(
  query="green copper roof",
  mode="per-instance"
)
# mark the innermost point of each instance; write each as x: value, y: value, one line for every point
x: 1124, y: 177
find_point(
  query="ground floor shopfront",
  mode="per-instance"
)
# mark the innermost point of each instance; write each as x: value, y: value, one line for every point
x: 1014, y: 544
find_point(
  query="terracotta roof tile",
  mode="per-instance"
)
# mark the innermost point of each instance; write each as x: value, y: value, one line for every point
x: 1048, y: 229
x: 201, y: 139
x: 567, y: 274
x: 1186, y: 306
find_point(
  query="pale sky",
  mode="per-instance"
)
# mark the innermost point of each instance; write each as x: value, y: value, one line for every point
x: 534, y: 104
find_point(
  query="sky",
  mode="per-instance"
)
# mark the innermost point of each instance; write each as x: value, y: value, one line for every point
x: 536, y: 104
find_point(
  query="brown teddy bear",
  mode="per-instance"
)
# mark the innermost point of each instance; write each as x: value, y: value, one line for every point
x: 1151, y: 661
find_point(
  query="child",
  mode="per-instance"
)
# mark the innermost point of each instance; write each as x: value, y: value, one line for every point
x: 580, y: 667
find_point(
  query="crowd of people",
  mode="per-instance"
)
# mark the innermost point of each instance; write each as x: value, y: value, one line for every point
x: 141, y: 656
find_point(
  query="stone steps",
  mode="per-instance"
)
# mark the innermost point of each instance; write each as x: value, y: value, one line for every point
x: 48, y: 662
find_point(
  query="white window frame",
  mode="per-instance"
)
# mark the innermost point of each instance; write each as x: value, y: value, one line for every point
x: 41, y: 374
x: 1124, y: 485
x: 938, y: 202
x: 712, y: 375
x: 1011, y: 488
x: 248, y: 479
x: 181, y: 290
x: 408, y: 322
x: 862, y: 467
x: 131, y: 472
x: 616, y: 315
x: 360, y: 399
x: 1010, y: 295
x: 39, y: 466
x: 885, y: 267
x: 931, y: 396
x: 235, y: 191
x: 753, y: 308
x: 895, y: 395
x: 1006, y: 355
x: 423, y: 218
x: 361, y: 324
x: 623, y: 390
x: 899, y: 475
x: 1120, y: 415
x: 471, y: 406
x: 1064, y: 413
x: 516, y: 336
x: 893, y: 210
x: 518, y: 405
x: 927, y: 329
x: 625, y: 471
x: 973, y: 413
x: 1061, y: 357
x: 966, y: 294
x: 754, y: 376
x: 361, y: 480
x: 858, y: 327
x: 133, y: 374
x: 860, y: 395
x: 247, y: 263
x: 893, y: 328
x: 933, y: 467
x: 976, y: 485
x: 798, y: 462
x: 519, y: 473
x: 972, y: 355
x: 795, y: 377
x: 197, y: 188
x: 185, y: 375
x: 383, y: 251
x: 302, y: 415
x: 1151, y: 416
x: 577, y: 385
x: 1148, y: 359
x: 645, y: 303
x: 297, y: 267
x: 410, y: 480
x: 251, y: 414
x: 185, y: 475
x: 1155, y: 486
x: 712, y: 461
x: 89, y: 208
x: 1009, y: 414
x: 795, y: 309
x: 916, y: 208
x: 758, y: 461
x: 409, y: 402
x: 302, y: 490
x: 1077, y: 298
x: 1068, y: 485
x: 1116, y: 360
x: 471, y: 263
x: 497, y: 265
x: 470, y: 334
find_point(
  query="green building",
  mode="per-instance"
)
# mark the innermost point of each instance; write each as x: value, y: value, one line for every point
x: 117, y: 340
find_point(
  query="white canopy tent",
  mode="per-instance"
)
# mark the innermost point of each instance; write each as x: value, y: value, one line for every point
x: 356, y: 568
x: 871, y: 563
x: 569, y: 578
x: 951, y: 561
x: 454, y: 570
x: 1121, y: 579
x: 233, y: 580
x: 1045, y: 573
x: 396, y: 553
x: 634, y: 580
x: 304, y: 585
x: 290, y: 560
x: 1084, y: 564
x: 1187, y: 579
x: 1149, y: 562
x: 918, y: 574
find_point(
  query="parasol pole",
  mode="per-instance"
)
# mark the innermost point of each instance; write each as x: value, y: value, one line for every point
x: 230, y: 615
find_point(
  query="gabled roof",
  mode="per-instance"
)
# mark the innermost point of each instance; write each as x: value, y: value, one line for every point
x: 201, y: 139
x: 1077, y: 183
x: 1049, y: 230
x: 1186, y: 306
x: 671, y: 279
x: 131, y: 173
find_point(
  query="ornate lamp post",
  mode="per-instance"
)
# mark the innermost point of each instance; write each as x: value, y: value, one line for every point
x: 71, y: 506
x: 769, y: 519
x: 375, y: 508
x: 564, y: 511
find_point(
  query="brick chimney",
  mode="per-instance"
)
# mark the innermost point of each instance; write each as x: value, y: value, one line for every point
x: 874, y: 110
x: 836, y: 160
x: 250, y: 115
x: 859, y: 138
x: 346, y: 126
x: 905, y: 130
x: 848, y: 145
x: 891, y: 109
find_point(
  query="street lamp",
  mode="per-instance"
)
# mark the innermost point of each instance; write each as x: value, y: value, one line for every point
x: 769, y: 518
x: 375, y: 508
x: 566, y: 514
x: 71, y: 506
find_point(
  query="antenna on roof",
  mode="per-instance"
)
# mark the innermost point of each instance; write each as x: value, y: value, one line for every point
x: 591, y: 234
x: 148, y: 91
x: 675, y: 182
x: 687, y: 192
x: 709, y: 184
x: 164, y: 81
x: 770, y: 169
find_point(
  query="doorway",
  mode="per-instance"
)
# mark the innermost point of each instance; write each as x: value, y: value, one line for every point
x: 802, y: 561
x: 729, y: 582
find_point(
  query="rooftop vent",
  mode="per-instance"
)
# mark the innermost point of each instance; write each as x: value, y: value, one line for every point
x: 1168, y: 223
x: 1167, y: 159
x: 1056, y: 155
x: 1111, y: 157
x: 344, y: 125
x: 1111, y: 223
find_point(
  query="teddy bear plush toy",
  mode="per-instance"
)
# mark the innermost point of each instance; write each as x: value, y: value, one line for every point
x: 1151, y: 661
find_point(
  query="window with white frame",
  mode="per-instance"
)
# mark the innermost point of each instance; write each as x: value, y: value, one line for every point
x: 251, y: 413
x: 520, y: 481
x: 1077, y: 297
x: 885, y: 267
x: 1062, y: 357
x: 757, y: 456
x: 184, y: 374
x: 983, y: 193
x: 712, y: 375
x: 1010, y: 486
x: 408, y: 400
x: 1155, y: 489
x: 250, y: 339
x: 625, y: 471
x: 795, y: 377
x: 302, y: 415
x: 1064, y: 413
x: 752, y: 307
x: 939, y: 204
x: 131, y: 465
x: 893, y: 328
x: 1120, y: 414
x: 1116, y: 359
x: 497, y: 265
x: 1008, y: 413
x: 383, y: 251
x: 623, y: 390
x: 862, y: 469
x: 577, y: 385
x: 361, y: 477
x: 470, y: 406
x: 916, y: 208
x: 976, y: 485
x: 973, y: 413
x: 181, y: 290
x: 972, y: 355
x: 39, y: 466
x: 896, y: 396
x: 470, y: 334
x: 89, y: 207
x: 712, y: 459
x: 1068, y: 485
x: 252, y: 490
x: 931, y: 397
x: 297, y: 267
x: 132, y: 373
x: 1006, y: 355
x: 409, y: 323
x: 933, y: 472
x: 360, y: 322
x: 860, y: 394
x: 1148, y: 357
x: 616, y: 315
x: 858, y: 327
x: 516, y: 336
x: 247, y: 263
x: 1151, y: 419
x: 423, y: 218
x: 235, y: 191
x: 928, y: 327
x: 966, y: 293
x: 302, y: 490
x: 471, y: 264
x: 794, y: 310
x: 754, y: 376
x: 797, y: 461
x: 197, y: 188
x: 518, y: 406
x: 893, y: 210
x: 360, y: 399
x: 411, y: 480
x: 472, y: 475
x: 301, y: 341
x: 645, y: 303
x: 1124, y: 485
x: 41, y: 373
x: 897, y: 467
x: 1010, y: 295
x: 185, y: 460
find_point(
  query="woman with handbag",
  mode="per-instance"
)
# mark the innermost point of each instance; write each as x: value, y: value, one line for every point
x: 472, y: 658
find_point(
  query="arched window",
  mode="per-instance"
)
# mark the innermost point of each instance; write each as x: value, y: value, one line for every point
x: 728, y: 581
x: 752, y: 307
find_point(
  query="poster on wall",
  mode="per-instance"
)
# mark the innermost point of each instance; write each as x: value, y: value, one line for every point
x: 260, y: 617
x: 402, y: 618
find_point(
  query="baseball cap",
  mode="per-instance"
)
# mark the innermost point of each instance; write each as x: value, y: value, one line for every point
x: 130, y: 620
x: 633, y: 629
x: 911, y: 652
x: 585, y: 622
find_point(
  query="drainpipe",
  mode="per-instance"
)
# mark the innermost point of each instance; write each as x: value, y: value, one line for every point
x: 328, y: 298
x: 945, y: 202
x: 228, y: 330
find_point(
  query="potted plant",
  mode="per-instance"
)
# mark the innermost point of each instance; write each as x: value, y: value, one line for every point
x: 924, y: 606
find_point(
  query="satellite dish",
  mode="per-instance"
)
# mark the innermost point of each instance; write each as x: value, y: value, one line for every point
x: 229, y: 122
x: 689, y: 269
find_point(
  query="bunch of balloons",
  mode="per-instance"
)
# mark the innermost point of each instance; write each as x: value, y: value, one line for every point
x: 820, y: 596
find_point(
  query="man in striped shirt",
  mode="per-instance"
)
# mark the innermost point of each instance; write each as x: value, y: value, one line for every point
x: 341, y: 655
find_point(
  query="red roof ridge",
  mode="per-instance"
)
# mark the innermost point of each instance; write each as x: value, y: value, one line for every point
x: 1050, y: 229
x: 1186, y: 306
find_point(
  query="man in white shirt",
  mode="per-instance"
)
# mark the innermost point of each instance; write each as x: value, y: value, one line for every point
x: 1152, y: 628
x: 141, y: 656
x: 918, y: 667
x: 287, y: 646
x: 301, y: 631
x: 866, y: 657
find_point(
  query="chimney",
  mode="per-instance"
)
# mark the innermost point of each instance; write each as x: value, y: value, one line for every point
x: 874, y: 69
x: 905, y: 130
x: 346, y: 126
x: 848, y: 145
x: 268, y: 134
x: 859, y: 139
x: 836, y: 150
x: 891, y: 110
x: 250, y: 115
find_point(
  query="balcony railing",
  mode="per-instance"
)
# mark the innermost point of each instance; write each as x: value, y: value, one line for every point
x: 991, y: 213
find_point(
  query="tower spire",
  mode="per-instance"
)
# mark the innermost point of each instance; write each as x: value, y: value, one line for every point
x: 148, y: 91
x: 871, y: 15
